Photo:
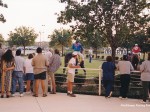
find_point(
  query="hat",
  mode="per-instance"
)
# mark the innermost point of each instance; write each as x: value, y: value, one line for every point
x: 75, y: 53
x: 136, y: 44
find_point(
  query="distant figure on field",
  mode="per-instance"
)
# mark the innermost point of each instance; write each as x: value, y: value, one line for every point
x: 90, y: 54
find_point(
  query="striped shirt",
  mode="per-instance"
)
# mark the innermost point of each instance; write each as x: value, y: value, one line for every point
x: 54, y: 63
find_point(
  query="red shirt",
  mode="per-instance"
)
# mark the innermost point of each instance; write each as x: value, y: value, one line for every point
x: 136, y: 49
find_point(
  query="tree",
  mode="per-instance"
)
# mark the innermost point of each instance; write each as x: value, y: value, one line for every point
x: 115, y: 20
x: 2, y: 19
x: 22, y: 36
x: 1, y: 38
x: 61, y: 38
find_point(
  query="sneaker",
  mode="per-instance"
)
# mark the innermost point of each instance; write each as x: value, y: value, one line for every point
x: 21, y: 95
x: 120, y: 97
x: 13, y: 95
x: 72, y: 95
x: 143, y: 102
x: 110, y: 94
x: 28, y: 93
x: 68, y: 94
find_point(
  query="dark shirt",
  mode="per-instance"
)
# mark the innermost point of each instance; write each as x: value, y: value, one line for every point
x: 108, y: 70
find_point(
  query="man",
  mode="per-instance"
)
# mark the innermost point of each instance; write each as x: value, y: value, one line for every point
x: 18, y: 73
x: 71, y: 73
x: 77, y: 46
x: 90, y: 54
x: 136, y: 49
x: 48, y: 54
x: 40, y: 64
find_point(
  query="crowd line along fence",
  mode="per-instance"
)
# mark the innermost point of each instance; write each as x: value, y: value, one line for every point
x: 96, y: 74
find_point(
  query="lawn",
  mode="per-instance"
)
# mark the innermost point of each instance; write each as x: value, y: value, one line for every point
x: 94, y: 65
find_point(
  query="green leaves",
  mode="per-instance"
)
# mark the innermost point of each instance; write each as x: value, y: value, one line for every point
x: 22, y: 36
x: 2, y: 19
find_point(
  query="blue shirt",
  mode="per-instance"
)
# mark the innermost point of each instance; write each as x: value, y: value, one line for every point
x: 77, y: 47
x: 108, y: 70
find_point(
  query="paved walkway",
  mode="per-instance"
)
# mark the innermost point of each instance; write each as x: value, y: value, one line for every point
x: 60, y: 102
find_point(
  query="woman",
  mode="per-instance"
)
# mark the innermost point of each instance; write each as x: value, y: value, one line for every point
x: 145, y: 77
x: 108, y: 68
x: 54, y: 64
x: 29, y: 72
x: 7, y: 68
x: 124, y: 67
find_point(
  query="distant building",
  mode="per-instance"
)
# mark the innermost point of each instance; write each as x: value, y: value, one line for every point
x: 43, y: 44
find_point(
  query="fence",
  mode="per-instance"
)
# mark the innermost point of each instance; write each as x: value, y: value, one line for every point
x: 86, y: 84
x: 91, y: 82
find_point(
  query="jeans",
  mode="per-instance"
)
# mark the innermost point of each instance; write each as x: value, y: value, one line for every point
x: 108, y: 85
x: 17, y: 77
x: 90, y: 58
x: 124, y: 80
x: 146, y: 89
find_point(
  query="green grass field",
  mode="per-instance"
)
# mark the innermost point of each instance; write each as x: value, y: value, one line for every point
x: 94, y: 65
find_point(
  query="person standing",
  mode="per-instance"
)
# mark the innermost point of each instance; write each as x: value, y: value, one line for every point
x: 40, y: 64
x: 29, y: 76
x: 125, y: 67
x: 1, y: 53
x: 108, y: 68
x: 54, y: 64
x: 145, y: 78
x: 71, y: 73
x: 7, y: 68
x: 48, y: 54
x: 90, y: 54
x: 18, y: 73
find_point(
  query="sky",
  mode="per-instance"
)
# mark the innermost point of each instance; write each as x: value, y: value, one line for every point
x: 38, y: 14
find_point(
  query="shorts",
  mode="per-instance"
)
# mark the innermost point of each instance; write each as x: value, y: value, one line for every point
x: 29, y: 76
x: 41, y: 76
x: 51, y: 74
x: 70, y: 77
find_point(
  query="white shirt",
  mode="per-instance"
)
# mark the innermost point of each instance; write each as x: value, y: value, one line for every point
x: 125, y: 67
x: 48, y: 55
x: 28, y: 66
x: 19, y: 63
x: 90, y: 51
x: 73, y: 62
x: 145, y: 71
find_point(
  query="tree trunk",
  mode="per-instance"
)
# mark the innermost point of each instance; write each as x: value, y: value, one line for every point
x: 62, y: 49
x: 113, y: 52
x: 143, y: 55
x: 24, y: 49
x: 96, y: 52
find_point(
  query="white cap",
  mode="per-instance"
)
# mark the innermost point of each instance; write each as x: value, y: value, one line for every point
x: 75, y: 53
x: 136, y: 44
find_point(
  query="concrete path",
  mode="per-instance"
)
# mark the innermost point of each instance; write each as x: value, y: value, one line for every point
x: 60, y: 102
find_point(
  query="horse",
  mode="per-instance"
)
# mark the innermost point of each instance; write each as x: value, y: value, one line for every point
x: 68, y: 56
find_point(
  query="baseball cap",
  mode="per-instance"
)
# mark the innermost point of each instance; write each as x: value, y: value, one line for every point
x: 74, y: 53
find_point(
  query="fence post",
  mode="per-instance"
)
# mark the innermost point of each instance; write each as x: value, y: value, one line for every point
x: 99, y: 91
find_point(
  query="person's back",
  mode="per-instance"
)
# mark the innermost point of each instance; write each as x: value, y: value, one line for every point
x: 145, y: 69
x: 48, y: 55
x: 125, y: 67
x: 19, y: 63
x: 39, y: 62
x: 108, y: 70
x: 55, y: 62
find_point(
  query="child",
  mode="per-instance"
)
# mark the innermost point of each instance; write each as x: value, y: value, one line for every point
x: 71, y: 74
